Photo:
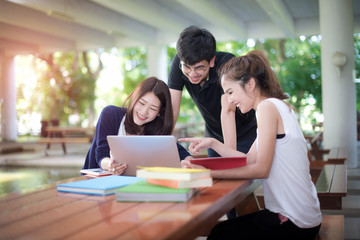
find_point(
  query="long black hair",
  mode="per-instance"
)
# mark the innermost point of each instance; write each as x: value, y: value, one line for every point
x: 163, y: 123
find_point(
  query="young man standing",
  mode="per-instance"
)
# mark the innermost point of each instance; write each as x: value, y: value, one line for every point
x: 195, y: 67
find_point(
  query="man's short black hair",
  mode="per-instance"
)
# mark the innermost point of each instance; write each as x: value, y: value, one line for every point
x: 195, y: 45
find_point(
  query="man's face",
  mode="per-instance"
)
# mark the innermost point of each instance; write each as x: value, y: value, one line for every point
x: 198, y: 72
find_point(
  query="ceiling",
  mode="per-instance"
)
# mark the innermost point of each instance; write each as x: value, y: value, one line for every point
x: 30, y: 26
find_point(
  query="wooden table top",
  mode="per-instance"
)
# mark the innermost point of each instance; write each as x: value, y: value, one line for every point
x: 48, y: 214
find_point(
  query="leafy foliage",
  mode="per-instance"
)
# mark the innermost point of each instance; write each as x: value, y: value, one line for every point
x: 357, y: 69
x: 296, y: 63
x: 65, y: 87
x: 135, y: 70
x: 66, y: 84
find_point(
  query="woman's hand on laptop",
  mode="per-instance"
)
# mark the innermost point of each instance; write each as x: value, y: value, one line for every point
x: 112, y: 166
x: 118, y: 168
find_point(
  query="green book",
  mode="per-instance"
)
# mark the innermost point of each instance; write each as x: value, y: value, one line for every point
x: 142, y: 191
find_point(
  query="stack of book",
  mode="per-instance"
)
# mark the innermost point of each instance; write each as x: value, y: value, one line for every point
x: 165, y: 184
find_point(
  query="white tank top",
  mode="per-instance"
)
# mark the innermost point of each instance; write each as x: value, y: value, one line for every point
x: 289, y: 189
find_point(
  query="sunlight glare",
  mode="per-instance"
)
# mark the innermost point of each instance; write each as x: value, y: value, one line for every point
x: 52, y: 82
x: 251, y: 42
x: 11, y: 176
x: 111, y: 75
x: 25, y: 74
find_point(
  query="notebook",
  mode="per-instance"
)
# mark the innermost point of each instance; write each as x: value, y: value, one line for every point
x: 145, y: 151
x: 97, y: 186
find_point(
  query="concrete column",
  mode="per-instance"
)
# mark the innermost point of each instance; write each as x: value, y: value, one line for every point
x: 8, y: 99
x: 338, y: 86
x: 157, y: 62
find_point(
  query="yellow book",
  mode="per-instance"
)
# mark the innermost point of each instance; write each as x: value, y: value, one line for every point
x: 172, y: 173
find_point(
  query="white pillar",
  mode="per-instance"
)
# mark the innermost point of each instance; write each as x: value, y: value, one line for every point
x: 157, y: 62
x: 8, y: 99
x: 338, y: 86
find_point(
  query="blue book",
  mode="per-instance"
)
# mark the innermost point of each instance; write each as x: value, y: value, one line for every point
x: 98, y: 186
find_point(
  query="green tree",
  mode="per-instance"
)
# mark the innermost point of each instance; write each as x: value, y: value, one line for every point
x: 295, y: 61
x: 68, y: 82
x: 133, y: 65
x: 300, y: 71
x: 67, y: 86
x: 357, y: 67
x: 238, y: 48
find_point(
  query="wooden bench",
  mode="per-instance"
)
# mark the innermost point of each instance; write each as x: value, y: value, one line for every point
x: 332, y: 228
x: 337, y: 155
x: 62, y: 141
x: 63, y: 135
x: 331, y: 186
x: 334, y: 155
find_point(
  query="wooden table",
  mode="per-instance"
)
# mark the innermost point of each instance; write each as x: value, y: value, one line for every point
x: 48, y: 214
x: 63, y: 135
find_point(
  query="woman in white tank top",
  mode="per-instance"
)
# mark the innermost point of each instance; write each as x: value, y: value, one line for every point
x: 278, y: 156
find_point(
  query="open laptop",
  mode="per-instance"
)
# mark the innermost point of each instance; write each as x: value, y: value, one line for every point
x: 145, y: 151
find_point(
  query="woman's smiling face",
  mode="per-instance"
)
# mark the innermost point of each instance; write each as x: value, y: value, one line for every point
x: 146, y: 109
x: 237, y: 95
